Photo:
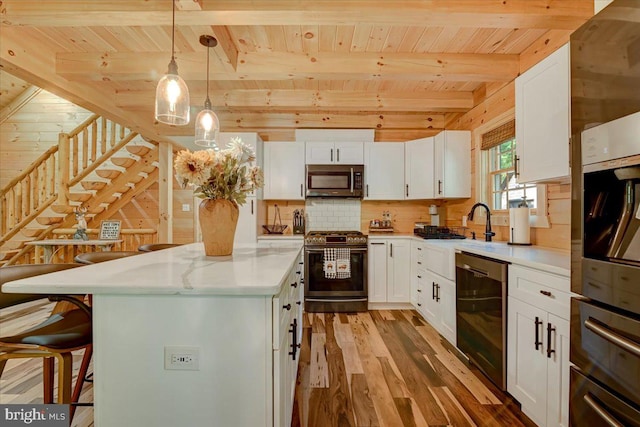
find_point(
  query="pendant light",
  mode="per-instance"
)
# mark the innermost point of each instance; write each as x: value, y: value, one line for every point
x: 207, y: 123
x: 172, y: 93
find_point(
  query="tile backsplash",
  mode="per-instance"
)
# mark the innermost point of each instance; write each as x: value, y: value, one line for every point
x: 333, y: 214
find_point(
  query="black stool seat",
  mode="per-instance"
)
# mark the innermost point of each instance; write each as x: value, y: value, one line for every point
x: 96, y: 257
x: 150, y: 247
x: 68, y: 329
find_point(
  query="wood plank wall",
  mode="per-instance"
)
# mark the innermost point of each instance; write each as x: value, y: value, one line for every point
x: 30, y: 131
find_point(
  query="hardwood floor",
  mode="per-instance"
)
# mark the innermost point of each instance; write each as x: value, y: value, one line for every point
x: 380, y: 368
x: 390, y: 368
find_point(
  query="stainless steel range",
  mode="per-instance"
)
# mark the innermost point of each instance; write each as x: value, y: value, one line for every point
x: 335, y: 271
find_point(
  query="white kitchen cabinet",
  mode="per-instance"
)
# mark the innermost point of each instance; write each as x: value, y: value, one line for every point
x: 284, y: 171
x: 542, y: 119
x: 328, y: 153
x: 247, y: 228
x: 452, y: 164
x: 384, y: 171
x: 433, y: 289
x: 389, y: 270
x: 538, y: 347
x: 418, y: 169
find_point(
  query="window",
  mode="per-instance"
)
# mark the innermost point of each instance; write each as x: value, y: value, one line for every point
x: 505, y: 191
x: 497, y: 144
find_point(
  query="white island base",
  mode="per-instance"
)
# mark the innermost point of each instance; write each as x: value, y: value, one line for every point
x: 233, y: 386
x: 241, y: 313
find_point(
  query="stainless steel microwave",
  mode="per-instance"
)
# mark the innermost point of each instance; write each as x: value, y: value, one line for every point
x: 335, y: 180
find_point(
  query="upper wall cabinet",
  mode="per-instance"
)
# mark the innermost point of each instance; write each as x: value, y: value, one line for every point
x: 384, y: 171
x: 542, y: 119
x: 418, y: 168
x: 452, y: 164
x: 284, y: 172
x: 327, y: 153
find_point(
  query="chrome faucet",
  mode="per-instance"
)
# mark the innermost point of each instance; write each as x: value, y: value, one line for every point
x: 487, y: 233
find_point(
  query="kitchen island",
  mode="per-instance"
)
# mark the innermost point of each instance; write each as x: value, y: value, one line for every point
x: 230, y: 325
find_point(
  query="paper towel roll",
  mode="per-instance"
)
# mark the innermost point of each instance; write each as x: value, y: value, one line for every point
x: 519, y: 231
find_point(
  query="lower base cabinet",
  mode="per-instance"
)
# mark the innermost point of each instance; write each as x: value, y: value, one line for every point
x: 388, y: 276
x: 537, y: 352
x: 433, y: 295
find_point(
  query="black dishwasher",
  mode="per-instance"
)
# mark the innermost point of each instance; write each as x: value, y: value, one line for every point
x: 481, y: 313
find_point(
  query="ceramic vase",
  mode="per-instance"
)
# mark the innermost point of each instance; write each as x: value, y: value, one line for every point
x: 218, y: 220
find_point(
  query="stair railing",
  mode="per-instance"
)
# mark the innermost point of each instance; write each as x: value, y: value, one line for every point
x: 29, y: 194
x: 87, y: 147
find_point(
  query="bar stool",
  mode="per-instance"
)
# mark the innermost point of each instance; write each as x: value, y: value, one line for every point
x: 96, y: 257
x: 65, y: 330
x: 150, y: 247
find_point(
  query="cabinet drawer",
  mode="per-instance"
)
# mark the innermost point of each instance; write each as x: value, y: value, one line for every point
x: 440, y: 260
x: 544, y: 290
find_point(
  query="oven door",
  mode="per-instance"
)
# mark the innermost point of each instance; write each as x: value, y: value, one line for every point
x: 318, y: 285
x: 594, y: 406
x: 606, y: 345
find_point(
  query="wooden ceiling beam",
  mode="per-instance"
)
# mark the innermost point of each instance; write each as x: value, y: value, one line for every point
x: 248, y: 121
x: 328, y: 100
x: 543, y: 14
x: 269, y: 66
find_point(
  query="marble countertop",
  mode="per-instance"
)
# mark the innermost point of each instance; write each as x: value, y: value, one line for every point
x: 547, y: 259
x: 251, y: 270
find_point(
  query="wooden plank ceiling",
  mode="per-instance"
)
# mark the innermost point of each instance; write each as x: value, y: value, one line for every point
x: 402, y: 67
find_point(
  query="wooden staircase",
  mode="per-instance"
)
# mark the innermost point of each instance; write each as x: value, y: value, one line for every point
x: 100, y: 166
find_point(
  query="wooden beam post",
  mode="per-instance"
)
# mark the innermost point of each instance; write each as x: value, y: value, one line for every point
x: 165, y: 190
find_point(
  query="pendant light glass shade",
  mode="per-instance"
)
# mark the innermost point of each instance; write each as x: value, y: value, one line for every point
x: 207, y: 123
x: 207, y: 127
x: 172, y: 93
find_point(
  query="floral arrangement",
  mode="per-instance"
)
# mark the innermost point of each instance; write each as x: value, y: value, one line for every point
x: 225, y: 174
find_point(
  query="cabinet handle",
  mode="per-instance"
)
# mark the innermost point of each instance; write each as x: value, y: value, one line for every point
x: 437, y: 292
x: 252, y: 207
x: 546, y: 293
x: 419, y: 290
x: 286, y: 307
x: 332, y: 155
x: 433, y: 290
x: 439, y: 186
x: 419, y: 249
x: 419, y: 277
x: 391, y: 250
x: 338, y: 155
x: 419, y: 305
x: 516, y: 159
x: 419, y: 263
x: 367, y: 190
x: 602, y: 413
x: 550, y: 329
x: 376, y: 243
x: 294, y: 341
x: 407, y: 190
x: 299, y: 302
x: 301, y: 185
x: 294, y: 284
x: 537, y: 342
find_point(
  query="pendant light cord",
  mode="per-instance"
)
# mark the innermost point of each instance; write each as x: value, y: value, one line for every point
x: 173, y: 31
x: 208, y: 102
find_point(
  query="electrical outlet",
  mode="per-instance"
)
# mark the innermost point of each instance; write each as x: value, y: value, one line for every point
x: 182, y: 358
x: 186, y: 207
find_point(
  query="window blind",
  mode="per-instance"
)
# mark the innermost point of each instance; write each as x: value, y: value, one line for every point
x: 498, y: 135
